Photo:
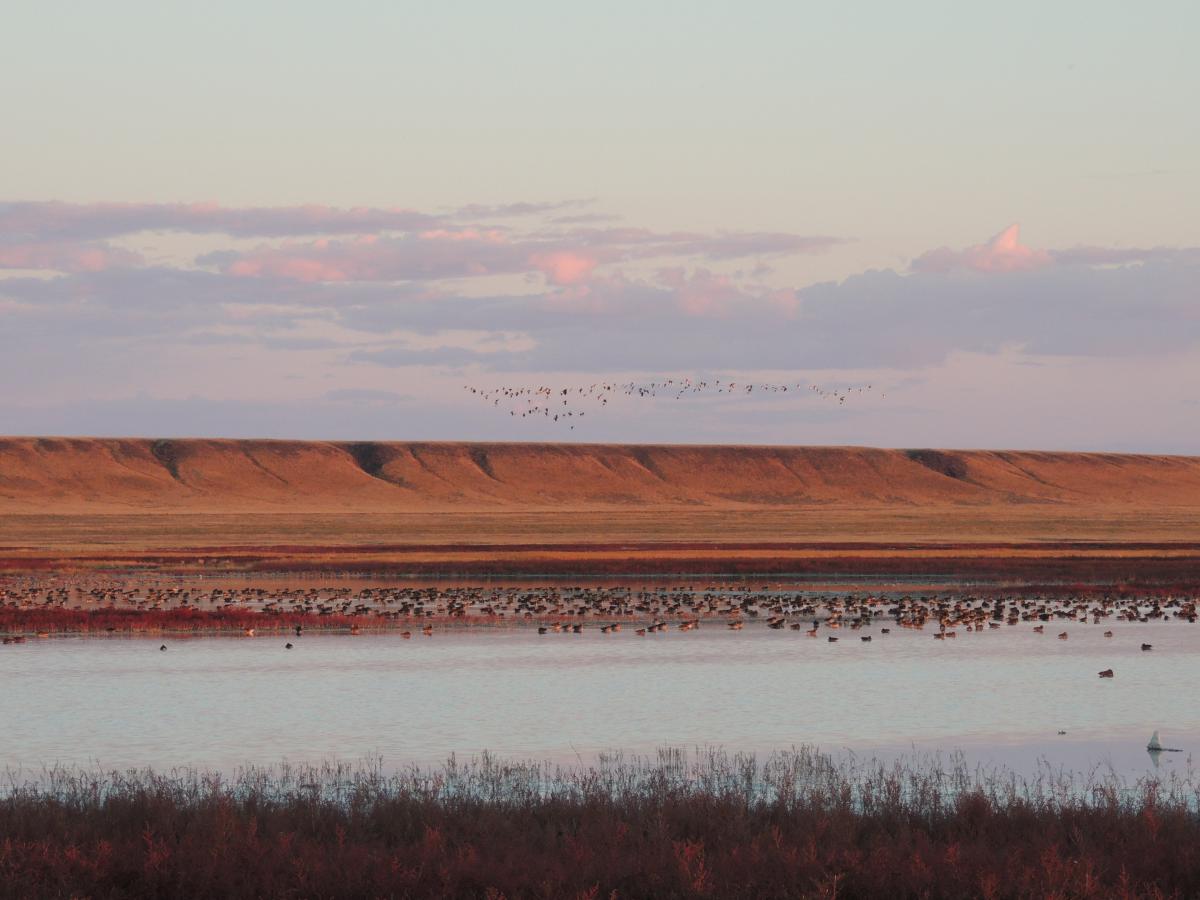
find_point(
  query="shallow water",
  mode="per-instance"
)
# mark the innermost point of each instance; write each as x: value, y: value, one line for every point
x: 999, y: 696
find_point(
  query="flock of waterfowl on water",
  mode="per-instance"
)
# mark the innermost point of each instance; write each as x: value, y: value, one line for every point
x: 609, y: 609
x: 569, y: 405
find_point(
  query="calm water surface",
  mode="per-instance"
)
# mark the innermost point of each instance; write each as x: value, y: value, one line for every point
x: 1000, y: 696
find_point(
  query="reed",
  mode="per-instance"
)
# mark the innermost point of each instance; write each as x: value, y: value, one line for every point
x: 701, y: 824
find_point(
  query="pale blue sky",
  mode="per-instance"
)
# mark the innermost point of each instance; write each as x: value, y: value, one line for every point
x: 896, y: 128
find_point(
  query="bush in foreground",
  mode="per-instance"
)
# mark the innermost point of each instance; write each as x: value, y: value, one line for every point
x: 797, y: 824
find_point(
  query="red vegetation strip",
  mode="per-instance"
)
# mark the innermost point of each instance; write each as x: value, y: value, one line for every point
x: 57, y: 620
x: 155, y: 837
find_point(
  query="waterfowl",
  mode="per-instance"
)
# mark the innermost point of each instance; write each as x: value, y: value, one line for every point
x: 287, y: 646
x: 1107, y: 673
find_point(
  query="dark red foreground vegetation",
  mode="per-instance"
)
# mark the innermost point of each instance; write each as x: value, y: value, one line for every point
x: 796, y: 826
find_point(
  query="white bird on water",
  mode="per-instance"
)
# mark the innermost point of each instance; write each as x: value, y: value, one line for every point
x: 1155, y: 745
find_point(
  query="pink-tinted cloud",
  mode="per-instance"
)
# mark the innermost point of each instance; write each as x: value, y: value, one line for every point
x: 1003, y: 253
x: 66, y: 257
x: 429, y: 255
x: 564, y: 258
x: 565, y: 266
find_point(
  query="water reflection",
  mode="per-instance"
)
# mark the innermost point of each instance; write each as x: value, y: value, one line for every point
x: 1001, y: 697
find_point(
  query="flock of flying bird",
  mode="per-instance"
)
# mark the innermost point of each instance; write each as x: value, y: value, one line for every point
x: 568, y: 405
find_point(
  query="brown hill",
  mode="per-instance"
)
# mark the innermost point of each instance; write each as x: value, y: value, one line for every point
x: 75, y: 476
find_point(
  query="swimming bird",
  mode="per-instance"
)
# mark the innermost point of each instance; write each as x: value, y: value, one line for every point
x: 1147, y: 646
x: 287, y: 646
x: 1107, y: 673
x: 1155, y: 745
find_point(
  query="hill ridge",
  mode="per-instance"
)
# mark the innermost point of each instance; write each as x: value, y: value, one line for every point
x: 95, y: 475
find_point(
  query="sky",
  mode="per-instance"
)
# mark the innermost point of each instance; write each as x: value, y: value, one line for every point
x: 313, y: 220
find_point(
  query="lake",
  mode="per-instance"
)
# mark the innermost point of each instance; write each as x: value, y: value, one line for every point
x: 999, y: 696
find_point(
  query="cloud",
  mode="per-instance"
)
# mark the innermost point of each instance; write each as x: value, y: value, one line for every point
x: 40, y: 220
x: 1003, y: 253
x: 516, y: 210
x: 1006, y: 253
x: 312, y: 314
x: 66, y: 256
x: 1115, y: 256
x: 564, y: 266
x: 564, y: 257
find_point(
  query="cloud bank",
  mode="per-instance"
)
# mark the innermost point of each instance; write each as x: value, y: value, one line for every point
x: 318, y: 302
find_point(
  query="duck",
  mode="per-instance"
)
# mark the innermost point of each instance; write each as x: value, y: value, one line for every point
x: 1107, y: 673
